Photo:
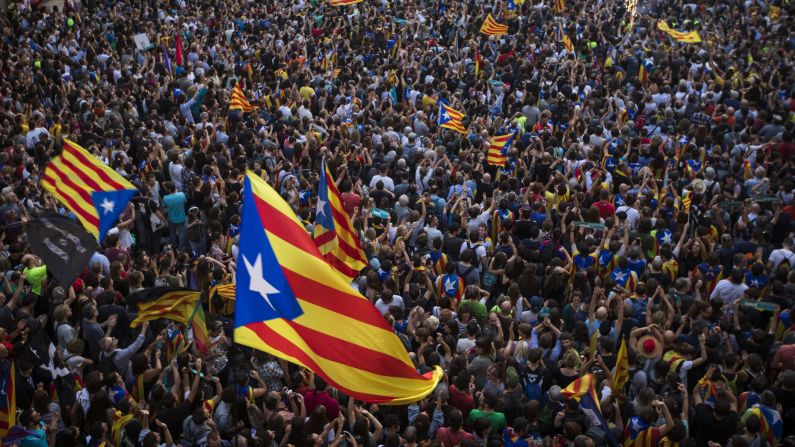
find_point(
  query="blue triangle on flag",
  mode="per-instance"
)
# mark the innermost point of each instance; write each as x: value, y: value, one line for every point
x: 262, y: 291
x: 109, y: 205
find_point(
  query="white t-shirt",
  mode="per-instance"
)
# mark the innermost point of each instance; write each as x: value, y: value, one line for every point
x: 389, y: 184
x: 727, y: 291
x: 383, y: 307
x: 780, y: 255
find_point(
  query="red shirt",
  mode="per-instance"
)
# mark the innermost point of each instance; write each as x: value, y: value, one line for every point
x: 606, y: 209
x: 462, y: 401
x: 313, y: 398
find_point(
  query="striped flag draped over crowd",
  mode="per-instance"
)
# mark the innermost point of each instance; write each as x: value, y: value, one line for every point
x: 679, y: 36
x: 334, y: 235
x: 94, y: 192
x: 287, y: 295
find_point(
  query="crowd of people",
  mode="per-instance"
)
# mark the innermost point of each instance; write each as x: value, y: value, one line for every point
x: 646, y: 201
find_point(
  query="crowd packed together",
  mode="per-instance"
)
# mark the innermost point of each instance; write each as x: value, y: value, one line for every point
x: 644, y: 211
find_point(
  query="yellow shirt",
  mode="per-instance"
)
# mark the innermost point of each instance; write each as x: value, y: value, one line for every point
x: 306, y: 92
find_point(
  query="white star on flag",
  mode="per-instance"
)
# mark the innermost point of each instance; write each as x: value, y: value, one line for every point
x: 449, y: 284
x: 321, y: 206
x: 620, y: 276
x: 107, y: 205
x: 258, y: 282
x: 666, y: 239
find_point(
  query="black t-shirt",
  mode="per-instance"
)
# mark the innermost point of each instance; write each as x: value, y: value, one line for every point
x: 174, y: 417
x: 710, y: 428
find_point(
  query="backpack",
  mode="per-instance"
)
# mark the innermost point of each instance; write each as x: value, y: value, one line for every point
x: 475, y: 250
x: 532, y: 385
x: 106, y: 365
x: 466, y: 272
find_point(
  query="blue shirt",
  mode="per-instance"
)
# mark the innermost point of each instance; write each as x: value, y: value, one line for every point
x: 175, y: 207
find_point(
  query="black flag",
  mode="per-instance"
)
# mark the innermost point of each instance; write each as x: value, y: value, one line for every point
x: 63, y: 245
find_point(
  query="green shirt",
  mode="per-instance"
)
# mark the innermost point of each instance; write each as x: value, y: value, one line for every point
x: 476, y: 308
x: 496, y: 419
x: 35, y: 276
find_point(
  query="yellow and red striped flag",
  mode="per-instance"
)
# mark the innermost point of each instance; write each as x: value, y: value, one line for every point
x: 450, y: 118
x: 238, y: 100
x: 174, y: 303
x: 679, y: 36
x: 498, y: 148
x: 560, y: 5
x: 334, y: 235
x: 621, y: 370
x: 566, y: 41
x: 344, y: 2
x: 198, y: 324
x: 94, y: 192
x: 291, y: 303
x: 491, y: 27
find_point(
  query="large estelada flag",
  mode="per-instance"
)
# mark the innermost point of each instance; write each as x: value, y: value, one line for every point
x: 63, y: 245
x: 450, y: 118
x: 291, y: 303
x: 93, y: 191
x: 334, y: 235
x: 174, y: 303
x: 491, y: 27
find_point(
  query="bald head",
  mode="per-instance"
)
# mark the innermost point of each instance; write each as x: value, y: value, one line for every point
x: 669, y: 337
x: 601, y: 313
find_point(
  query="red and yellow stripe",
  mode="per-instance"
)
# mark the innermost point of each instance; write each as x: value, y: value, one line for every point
x: 344, y: 2
x: 71, y: 178
x: 199, y: 328
x: 494, y: 155
x: 340, y: 245
x: 8, y: 409
x: 238, y: 100
x: 177, y: 306
x: 455, y: 120
x: 491, y: 27
x: 359, y: 353
x: 679, y: 36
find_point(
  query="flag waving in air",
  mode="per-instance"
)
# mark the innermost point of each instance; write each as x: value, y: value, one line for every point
x: 334, y: 234
x: 450, y: 118
x: 292, y: 304
x: 344, y: 2
x: 491, y: 27
x: 498, y: 148
x: 621, y: 370
x: 93, y: 191
x: 174, y: 303
x: 238, y: 100
x: 679, y: 36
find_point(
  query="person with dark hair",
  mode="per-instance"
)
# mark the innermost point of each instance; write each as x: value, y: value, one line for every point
x: 318, y: 395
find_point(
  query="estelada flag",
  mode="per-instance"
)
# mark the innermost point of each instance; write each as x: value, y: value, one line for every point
x: 344, y: 2
x: 292, y: 304
x: 334, y: 235
x: 491, y: 27
x: 93, y: 191
x: 174, y: 303
x: 496, y: 154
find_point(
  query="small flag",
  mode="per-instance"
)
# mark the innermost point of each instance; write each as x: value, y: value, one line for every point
x: 93, y: 191
x: 621, y: 370
x: 238, y: 100
x: 119, y: 422
x: 198, y: 324
x: 178, y: 56
x: 334, y: 235
x: 8, y: 399
x: 565, y: 39
x: 646, y: 67
x: 63, y: 245
x: 478, y: 61
x: 584, y: 390
x: 287, y: 294
x: 498, y: 148
x: 166, y: 60
x: 679, y: 36
x: 396, y: 48
x: 559, y: 6
x: 344, y: 2
x: 174, y: 303
x: 222, y: 299
x: 491, y: 27
x: 449, y: 118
